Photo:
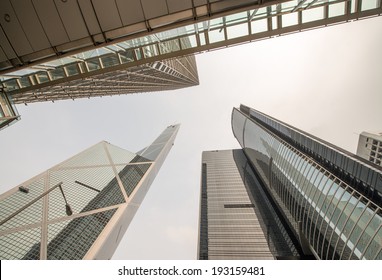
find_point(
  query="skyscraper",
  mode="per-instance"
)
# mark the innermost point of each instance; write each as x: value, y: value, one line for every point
x: 35, y: 32
x: 370, y: 147
x: 64, y: 49
x: 327, y: 199
x: 80, y: 208
x: 237, y: 220
x: 94, y: 77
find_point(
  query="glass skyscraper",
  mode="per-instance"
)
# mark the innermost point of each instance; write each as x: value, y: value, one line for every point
x: 237, y: 220
x: 80, y: 208
x: 80, y: 49
x: 327, y: 199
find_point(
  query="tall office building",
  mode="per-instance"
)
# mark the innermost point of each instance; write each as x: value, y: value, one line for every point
x: 324, y: 201
x: 80, y: 208
x: 60, y: 49
x: 370, y: 147
x: 237, y: 220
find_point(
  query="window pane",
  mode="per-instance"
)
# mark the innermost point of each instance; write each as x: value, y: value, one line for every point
x: 216, y: 35
x: 312, y: 14
x: 24, y: 82
x: 71, y: 69
x: 57, y: 74
x: 42, y: 77
x: 348, y: 212
x: 202, y: 39
x: 235, y: 18
x: 259, y: 26
x: 369, y: 4
x: 126, y: 56
x: 289, y: 19
x: 111, y: 60
x: 169, y: 46
x: 375, y: 246
x: 237, y: 30
x: 337, y: 9
x: 93, y: 64
x: 11, y: 85
x: 274, y: 23
x: 188, y: 42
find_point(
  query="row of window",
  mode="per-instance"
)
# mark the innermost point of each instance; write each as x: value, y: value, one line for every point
x: 343, y: 164
x: 16, y: 245
x: 373, y: 141
x: 321, y: 199
x: 291, y: 13
x: 337, y: 221
x: 74, y: 240
x: 14, y: 202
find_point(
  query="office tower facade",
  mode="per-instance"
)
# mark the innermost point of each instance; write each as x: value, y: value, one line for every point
x: 328, y: 199
x: 237, y: 220
x: 98, y: 80
x: 80, y: 208
x: 370, y: 147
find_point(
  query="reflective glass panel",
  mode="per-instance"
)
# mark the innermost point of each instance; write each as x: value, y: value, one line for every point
x: 370, y: 4
x: 238, y: 30
x: 126, y: 56
x: 188, y: 42
x: 374, y: 246
x: 312, y: 14
x: 238, y: 121
x: 216, y: 35
x: 202, y: 39
x: 24, y: 82
x: 57, y: 73
x: 42, y: 77
x: 71, y: 69
x: 347, y: 212
x: 259, y: 13
x: 289, y: 19
x: 93, y: 64
x: 11, y: 85
x: 235, y: 18
x: 337, y: 9
x: 110, y: 60
x: 258, y: 26
x: 274, y: 23
x: 289, y: 5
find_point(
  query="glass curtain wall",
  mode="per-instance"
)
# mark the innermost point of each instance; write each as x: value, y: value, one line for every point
x: 337, y: 221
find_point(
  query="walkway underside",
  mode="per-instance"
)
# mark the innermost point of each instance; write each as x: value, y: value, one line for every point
x: 220, y: 26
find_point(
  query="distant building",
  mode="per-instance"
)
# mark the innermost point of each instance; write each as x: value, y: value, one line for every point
x: 80, y: 208
x: 370, y: 147
x: 288, y: 193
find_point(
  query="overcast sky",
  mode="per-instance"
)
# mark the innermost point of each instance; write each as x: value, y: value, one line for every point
x: 327, y: 82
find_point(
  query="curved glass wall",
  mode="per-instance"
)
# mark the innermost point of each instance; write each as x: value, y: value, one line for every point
x: 336, y: 220
x: 365, y: 178
x: 238, y: 121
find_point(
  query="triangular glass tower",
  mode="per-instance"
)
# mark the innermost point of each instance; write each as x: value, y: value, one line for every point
x: 80, y: 208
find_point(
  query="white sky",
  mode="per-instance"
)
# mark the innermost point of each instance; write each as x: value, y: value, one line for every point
x: 327, y: 82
